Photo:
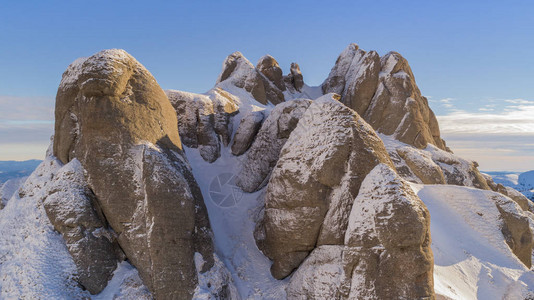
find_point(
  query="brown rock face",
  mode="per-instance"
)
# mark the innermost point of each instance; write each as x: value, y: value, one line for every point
x: 114, y: 118
x: 384, y: 92
x: 315, y: 181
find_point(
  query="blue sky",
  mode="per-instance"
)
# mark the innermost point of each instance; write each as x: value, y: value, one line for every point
x: 473, y: 60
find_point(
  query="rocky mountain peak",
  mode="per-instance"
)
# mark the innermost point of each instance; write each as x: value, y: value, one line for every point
x: 384, y: 92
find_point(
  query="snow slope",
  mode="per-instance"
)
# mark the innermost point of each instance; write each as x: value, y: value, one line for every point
x: 471, y: 258
x: 232, y: 216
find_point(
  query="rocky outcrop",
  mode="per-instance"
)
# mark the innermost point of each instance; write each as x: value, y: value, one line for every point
x: 247, y: 130
x: 114, y: 118
x: 377, y: 259
x: 422, y: 165
x: 315, y: 181
x: 73, y: 210
x: 515, y: 229
x: 204, y: 121
x: 239, y: 72
x: 264, y: 152
x: 294, y: 80
x: 458, y: 171
x: 433, y: 165
x: 384, y: 92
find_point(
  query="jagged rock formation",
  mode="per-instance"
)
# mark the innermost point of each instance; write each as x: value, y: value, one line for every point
x: 114, y: 118
x: 294, y: 80
x: 318, y: 174
x: 238, y: 71
x: 264, y: 152
x: 378, y: 260
x: 204, y: 121
x: 384, y: 92
x: 433, y: 165
x: 325, y: 195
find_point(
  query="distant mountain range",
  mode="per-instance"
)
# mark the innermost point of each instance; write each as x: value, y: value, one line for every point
x: 16, y: 169
x: 523, y: 182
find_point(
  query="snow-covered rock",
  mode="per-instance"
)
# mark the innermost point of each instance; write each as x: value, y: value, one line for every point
x: 264, y: 152
x: 246, y: 131
x: 73, y: 210
x: 114, y: 118
x: 383, y: 91
x: 386, y: 251
x: 472, y: 259
x: 433, y: 165
x: 315, y: 181
x: 204, y: 121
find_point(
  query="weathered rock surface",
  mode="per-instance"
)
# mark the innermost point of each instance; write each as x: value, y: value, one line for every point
x: 386, y: 251
x: 515, y: 229
x: 384, y: 92
x: 247, y: 130
x: 264, y: 152
x: 74, y: 212
x: 114, y: 118
x: 422, y: 165
x: 239, y: 72
x: 315, y: 181
x: 204, y: 121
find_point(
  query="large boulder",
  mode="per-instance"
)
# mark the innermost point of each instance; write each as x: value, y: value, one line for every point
x: 315, y: 181
x: 264, y: 152
x: 247, y: 130
x: 114, y: 118
x: 384, y: 92
x: 388, y: 215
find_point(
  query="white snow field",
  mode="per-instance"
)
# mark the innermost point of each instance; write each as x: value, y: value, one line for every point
x: 471, y: 258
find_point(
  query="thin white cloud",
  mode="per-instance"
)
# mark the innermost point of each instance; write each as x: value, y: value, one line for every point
x: 26, y: 124
x: 18, y: 109
x: 519, y: 101
x: 516, y: 119
x: 499, y: 139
